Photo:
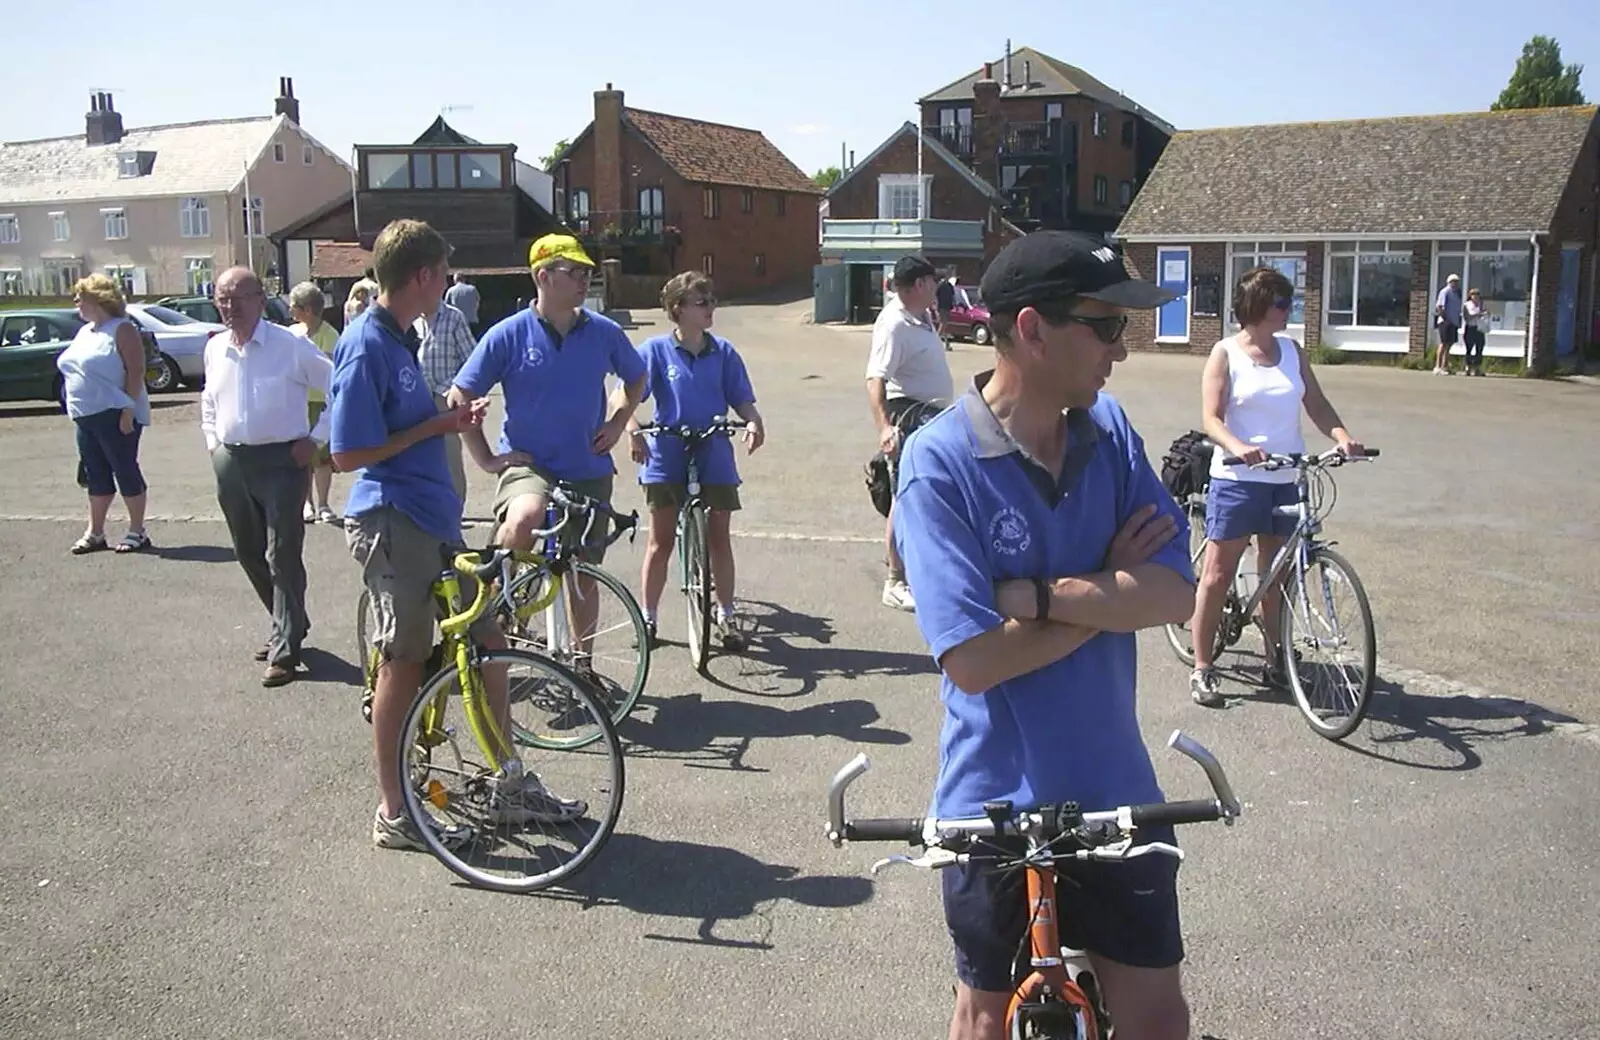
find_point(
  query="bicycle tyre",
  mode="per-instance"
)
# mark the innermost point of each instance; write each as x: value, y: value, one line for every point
x: 697, y: 584
x: 367, y: 653
x: 608, y: 739
x: 1052, y: 1019
x: 1330, y: 559
x: 1180, y: 637
x: 624, y: 706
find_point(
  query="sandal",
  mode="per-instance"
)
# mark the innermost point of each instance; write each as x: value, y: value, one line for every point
x: 88, y: 543
x: 133, y: 541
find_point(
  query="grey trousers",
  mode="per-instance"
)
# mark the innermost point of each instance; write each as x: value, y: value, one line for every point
x: 261, y: 492
x: 452, y: 454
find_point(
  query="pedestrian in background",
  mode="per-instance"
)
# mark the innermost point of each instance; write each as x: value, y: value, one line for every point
x: 463, y: 296
x: 447, y: 342
x: 306, y: 304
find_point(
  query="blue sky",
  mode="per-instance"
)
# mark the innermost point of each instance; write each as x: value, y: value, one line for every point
x: 526, y: 72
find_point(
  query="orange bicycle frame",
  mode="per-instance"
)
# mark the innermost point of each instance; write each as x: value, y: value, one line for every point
x: 1049, y: 976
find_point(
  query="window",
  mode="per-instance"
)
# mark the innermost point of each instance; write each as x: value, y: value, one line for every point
x: 388, y: 171
x: 711, y: 205
x: 579, y: 214
x: 60, y: 227
x: 783, y: 203
x: 10, y: 281
x: 480, y: 170
x: 1125, y: 194
x: 199, y: 274
x: 444, y: 170
x: 10, y: 230
x: 761, y: 265
x: 1369, y: 284
x: 194, y: 219
x: 1502, y: 272
x: 60, y: 276
x: 898, y: 198
x: 707, y: 265
x: 1052, y: 112
x: 650, y: 211
x: 1127, y: 133
x: 747, y: 200
x: 124, y: 276
x: 251, y: 210
x: 278, y: 151
x: 1290, y: 262
x: 1102, y: 188
x: 308, y: 155
x: 116, y: 223
x: 1099, y: 124
x: 127, y: 164
x: 422, y: 169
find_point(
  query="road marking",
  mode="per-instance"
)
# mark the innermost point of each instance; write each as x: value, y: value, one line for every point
x: 1412, y: 679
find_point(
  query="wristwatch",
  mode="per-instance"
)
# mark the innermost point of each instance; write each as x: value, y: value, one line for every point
x: 1041, y: 590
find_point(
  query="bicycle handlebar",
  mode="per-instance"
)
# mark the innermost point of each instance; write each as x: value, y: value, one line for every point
x: 1330, y: 458
x: 685, y: 432
x: 1091, y: 829
x: 569, y: 501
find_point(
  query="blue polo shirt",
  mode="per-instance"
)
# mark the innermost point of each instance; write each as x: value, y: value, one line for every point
x: 973, y: 510
x: 693, y: 389
x: 378, y: 391
x: 555, y: 387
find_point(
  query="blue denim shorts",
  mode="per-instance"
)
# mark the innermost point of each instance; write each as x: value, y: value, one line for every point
x: 1240, y: 508
x: 108, y: 459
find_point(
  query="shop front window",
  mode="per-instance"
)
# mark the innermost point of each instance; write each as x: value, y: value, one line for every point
x: 1291, y: 263
x: 1500, y: 269
x: 1369, y: 284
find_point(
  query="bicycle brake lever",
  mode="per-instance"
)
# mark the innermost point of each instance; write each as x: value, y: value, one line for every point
x: 1126, y: 850
x: 933, y: 859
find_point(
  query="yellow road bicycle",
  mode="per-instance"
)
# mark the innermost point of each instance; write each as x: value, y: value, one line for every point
x: 460, y: 751
x: 537, y: 600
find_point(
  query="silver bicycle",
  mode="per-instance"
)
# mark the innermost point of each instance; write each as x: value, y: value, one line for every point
x: 1329, y: 658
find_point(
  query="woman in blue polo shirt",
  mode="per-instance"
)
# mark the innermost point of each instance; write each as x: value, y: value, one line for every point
x: 693, y: 377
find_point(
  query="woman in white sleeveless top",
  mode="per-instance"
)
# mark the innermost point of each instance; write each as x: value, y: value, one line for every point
x: 1253, y: 389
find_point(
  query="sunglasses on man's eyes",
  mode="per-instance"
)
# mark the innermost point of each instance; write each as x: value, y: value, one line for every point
x: 1107, y: 329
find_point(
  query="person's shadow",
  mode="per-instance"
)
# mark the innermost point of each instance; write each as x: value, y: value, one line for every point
x: 718, y: 734
x: 707, y: 884
x: 193, y: 553
x: 320, y: 666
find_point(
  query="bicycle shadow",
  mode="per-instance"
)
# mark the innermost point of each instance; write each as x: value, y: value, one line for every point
x: 775, y: 663
x: 703, y: 733
x: 710, y: 885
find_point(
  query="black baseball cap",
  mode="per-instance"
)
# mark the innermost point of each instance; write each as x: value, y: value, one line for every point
x: 1049, y: 266
x: 908, y: 269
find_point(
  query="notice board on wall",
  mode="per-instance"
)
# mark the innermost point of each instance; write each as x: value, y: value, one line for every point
x: 1207, y: 295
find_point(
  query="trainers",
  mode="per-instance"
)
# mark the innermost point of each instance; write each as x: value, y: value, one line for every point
x: 525, y: 799
x: 1206, y: 689
x: 897, y: 594
x: 401, y: 833
x: 728, y: 631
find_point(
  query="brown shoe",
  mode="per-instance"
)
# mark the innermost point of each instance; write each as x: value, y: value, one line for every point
x: 278, y: 675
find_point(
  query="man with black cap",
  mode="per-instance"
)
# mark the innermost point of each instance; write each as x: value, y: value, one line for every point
x: 908, y: 380
x: 1039, y: 540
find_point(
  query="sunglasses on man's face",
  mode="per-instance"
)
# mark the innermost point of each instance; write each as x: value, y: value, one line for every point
x: 581, y: 274
x: 1107, y: 329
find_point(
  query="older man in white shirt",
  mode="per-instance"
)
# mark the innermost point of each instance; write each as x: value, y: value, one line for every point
x: 257, y: 428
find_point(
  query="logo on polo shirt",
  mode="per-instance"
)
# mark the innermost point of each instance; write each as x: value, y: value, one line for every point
x: 674, y: 373
x: 408, y: 379
x: 1008, y: 532
x: 535, y: 355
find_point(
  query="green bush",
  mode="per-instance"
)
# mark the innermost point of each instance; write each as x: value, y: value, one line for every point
x: 1321, y: 355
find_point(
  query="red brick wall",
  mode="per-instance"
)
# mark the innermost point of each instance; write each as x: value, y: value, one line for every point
x: 1316, y: 255
x: 1575, y: 221
x: 1420, y: 334
x: 1205, y: 258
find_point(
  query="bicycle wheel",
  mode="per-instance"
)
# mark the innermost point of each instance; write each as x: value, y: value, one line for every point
x: 693, y: 551
x: 1180, y: 637
x: 515, y: 844
x: 1333, y: 695
x: 365, y: 622
x: 616, y: 655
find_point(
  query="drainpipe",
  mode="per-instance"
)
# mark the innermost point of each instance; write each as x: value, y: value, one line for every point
x: 1533, y: 305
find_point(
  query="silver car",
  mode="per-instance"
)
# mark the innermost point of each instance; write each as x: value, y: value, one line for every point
x: 181, y: 341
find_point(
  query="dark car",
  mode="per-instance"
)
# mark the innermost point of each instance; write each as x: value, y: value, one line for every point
x: 30, y: 342
x: 200, y: 308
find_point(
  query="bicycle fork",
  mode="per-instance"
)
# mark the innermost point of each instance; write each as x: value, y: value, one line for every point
x: 1062, y: 983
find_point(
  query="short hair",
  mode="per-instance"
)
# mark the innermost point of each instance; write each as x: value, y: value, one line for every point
x: 404, y: 249
x: 1257, y: 291
x: 1003, y: 324
x: 104, y: 291
x: 307, y: 297
x: 680, y: 287
x: 910, y: 270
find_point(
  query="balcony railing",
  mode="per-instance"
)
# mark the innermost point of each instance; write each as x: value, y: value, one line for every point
x: 1051, y: 137
x: 628, y: 227
x: 957, y: 139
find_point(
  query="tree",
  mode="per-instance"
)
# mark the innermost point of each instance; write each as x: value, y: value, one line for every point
x: 1540, y: 80
x: 555, y: 153
x: 827, y: 178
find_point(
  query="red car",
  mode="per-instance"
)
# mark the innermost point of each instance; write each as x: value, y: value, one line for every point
x: 969, y: 318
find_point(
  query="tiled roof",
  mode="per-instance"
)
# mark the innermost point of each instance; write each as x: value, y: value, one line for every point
x: 1050, y: 78
x: 1470, y: 172
x: 339, y: 260
x: 713, y: 153
x: 191, y: 159
x: 931, y: 146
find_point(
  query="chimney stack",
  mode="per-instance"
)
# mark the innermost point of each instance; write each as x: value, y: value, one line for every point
x: 608, y: 152
x: 103, y: 123
x: 1008, y: 65
x: 987, y: 126
x: 285, y: 104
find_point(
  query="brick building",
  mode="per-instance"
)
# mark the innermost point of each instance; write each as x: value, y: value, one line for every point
x: 1023, y: 143
x: 1368, y: 218
x: 661, y: 193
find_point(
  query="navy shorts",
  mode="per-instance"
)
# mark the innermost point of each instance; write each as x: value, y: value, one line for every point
x: 1447, y: 334
x: 1126, y: 912
x: 1240, y: 508
x: 108, y: 458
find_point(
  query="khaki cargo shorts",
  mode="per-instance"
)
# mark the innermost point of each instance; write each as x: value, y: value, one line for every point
x: 673, y: 496
x: 399, y: 563
x: 517, y: 481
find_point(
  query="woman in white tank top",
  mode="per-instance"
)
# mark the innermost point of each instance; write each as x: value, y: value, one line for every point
x: 1253, y: 389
